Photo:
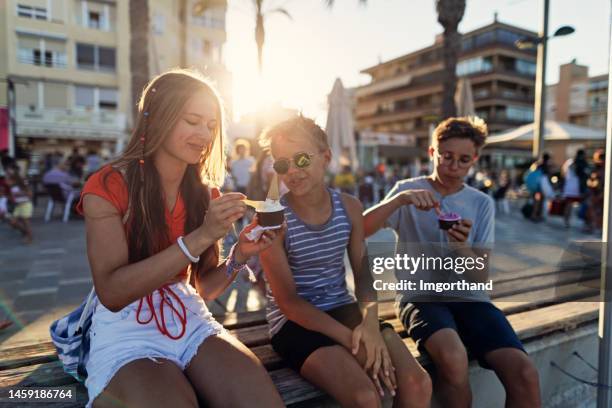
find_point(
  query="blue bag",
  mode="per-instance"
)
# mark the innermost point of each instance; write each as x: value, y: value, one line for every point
x: 70, y: 335
x: 532, y: 180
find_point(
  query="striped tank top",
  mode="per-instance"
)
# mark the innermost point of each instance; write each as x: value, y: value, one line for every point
x: 316, y: 257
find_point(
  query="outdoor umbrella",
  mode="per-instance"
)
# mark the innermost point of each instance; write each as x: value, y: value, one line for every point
x: 340, y: 129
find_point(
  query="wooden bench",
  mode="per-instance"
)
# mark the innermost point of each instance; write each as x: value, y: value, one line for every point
x: 534, y: 308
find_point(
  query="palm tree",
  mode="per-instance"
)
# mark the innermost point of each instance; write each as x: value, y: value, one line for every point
x: 139, y: 49
x: 450, y: 13
x: 183, y: 11
x: 261, y: 14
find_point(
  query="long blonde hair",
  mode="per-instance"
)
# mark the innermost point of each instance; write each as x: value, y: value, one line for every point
x: 159, y: 111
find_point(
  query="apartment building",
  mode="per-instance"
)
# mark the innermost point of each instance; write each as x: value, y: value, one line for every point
x: 405, y: 94
x: 578, y: 98
x: 205, y: 38
x: 69, y: 64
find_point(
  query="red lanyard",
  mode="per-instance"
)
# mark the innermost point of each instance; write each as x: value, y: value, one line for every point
x: 164, y: 292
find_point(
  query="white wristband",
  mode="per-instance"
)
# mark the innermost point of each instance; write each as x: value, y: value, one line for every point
x: 181, y: 244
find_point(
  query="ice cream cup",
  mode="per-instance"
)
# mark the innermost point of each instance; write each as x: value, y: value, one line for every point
x: 446, y: 221
x: 271, y: 214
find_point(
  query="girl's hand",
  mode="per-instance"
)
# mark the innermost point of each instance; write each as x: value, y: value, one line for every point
x: 377, y: 356
x: 247, y: 248
x: 221, y: 215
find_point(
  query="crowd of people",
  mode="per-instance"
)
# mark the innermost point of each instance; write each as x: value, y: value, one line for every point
x: 577, y: 186
x: 18, y: 188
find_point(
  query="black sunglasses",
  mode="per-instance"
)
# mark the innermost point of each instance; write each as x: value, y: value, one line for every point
x: 301, y: 160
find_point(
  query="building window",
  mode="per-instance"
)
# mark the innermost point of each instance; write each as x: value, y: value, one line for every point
x: 37, y: 13
x: 508, y: 37
x: 97, y: 15
x: 90, y: 97
x: 525, y: 67
x: 474, y: 65
x: 386, y: 107
x: 485, y: 38
x: 210, y: 19
x: 108, y: 99
x: 84, y: 97
x: 95, y: 57
x: 94, y: 20
x: 159, y: 24
x: 106, y: 59
x: 40, y: 52
x: 519, y: 113
x: 86, y: 56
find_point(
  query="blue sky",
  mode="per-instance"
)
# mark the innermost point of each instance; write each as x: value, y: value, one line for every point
x: 303, y: 56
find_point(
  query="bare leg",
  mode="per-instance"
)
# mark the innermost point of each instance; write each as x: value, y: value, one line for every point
x: 225, y: 373
x: 413, y: 382
x: 518, y: 375
x: 145, y: 383
x: 450, y: 357
x: 567, y: 211
x: 337, y: 372
x: 27, y: 230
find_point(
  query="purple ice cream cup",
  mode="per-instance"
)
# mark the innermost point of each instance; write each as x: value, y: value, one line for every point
x: 447, y: 220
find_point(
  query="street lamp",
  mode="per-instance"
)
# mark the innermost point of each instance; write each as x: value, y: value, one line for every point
x: 540, y: 96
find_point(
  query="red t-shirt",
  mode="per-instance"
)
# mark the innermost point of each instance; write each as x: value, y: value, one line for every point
x: 115, y: 192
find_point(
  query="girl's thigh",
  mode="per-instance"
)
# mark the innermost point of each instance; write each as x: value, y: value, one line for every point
x: 224, y: 372
x: 145, y: 383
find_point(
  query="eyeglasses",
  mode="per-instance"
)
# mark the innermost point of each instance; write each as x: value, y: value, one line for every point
x: 301, y: 160
x: 447, y: 159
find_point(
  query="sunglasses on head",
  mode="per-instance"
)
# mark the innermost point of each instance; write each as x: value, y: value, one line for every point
x: 300, y: 160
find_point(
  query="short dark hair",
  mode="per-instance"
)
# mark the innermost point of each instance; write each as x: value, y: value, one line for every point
x: 468, y: 127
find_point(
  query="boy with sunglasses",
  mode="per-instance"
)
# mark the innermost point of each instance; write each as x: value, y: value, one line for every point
x: 332, y: 338
x: 453, y: 324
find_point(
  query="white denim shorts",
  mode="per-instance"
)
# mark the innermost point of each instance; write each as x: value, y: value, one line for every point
x: 118, y: 339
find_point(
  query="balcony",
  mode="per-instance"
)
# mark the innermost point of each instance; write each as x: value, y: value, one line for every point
x: 71, y: 124
x: 503, y: 94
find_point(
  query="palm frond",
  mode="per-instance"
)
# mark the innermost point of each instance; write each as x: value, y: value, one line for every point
x: 281, y: 11
x: 330, y: 3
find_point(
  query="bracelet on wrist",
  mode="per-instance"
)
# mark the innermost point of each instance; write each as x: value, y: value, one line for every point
x: 183, y: 247
x: 234, y: 266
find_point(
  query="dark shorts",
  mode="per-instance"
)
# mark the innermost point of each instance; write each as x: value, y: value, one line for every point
x: 481, y: 326
x: 294, y: 343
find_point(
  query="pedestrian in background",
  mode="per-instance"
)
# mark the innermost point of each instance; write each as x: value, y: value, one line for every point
x: 574, y: 173
x: 22, y: 200
x: 242, y: 166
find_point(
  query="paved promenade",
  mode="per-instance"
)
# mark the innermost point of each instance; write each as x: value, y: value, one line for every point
x: 47, y: 279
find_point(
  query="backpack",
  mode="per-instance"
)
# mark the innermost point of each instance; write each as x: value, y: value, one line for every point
x: 532, y: 180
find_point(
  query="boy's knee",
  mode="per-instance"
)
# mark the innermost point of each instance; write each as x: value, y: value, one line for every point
x: 418, y: 387
x: 366, y: 398
x: 528, y: 378
x: 452, y: 365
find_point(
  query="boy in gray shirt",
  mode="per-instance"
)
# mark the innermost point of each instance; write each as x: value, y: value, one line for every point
x: 450, y: 324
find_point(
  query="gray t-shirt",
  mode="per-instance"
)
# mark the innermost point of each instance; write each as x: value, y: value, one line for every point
x: 419, y: 234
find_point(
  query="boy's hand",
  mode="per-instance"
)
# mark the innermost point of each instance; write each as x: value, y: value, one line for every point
x: 460, y: 231
x: 422, y: 199
x: 378, y: 362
